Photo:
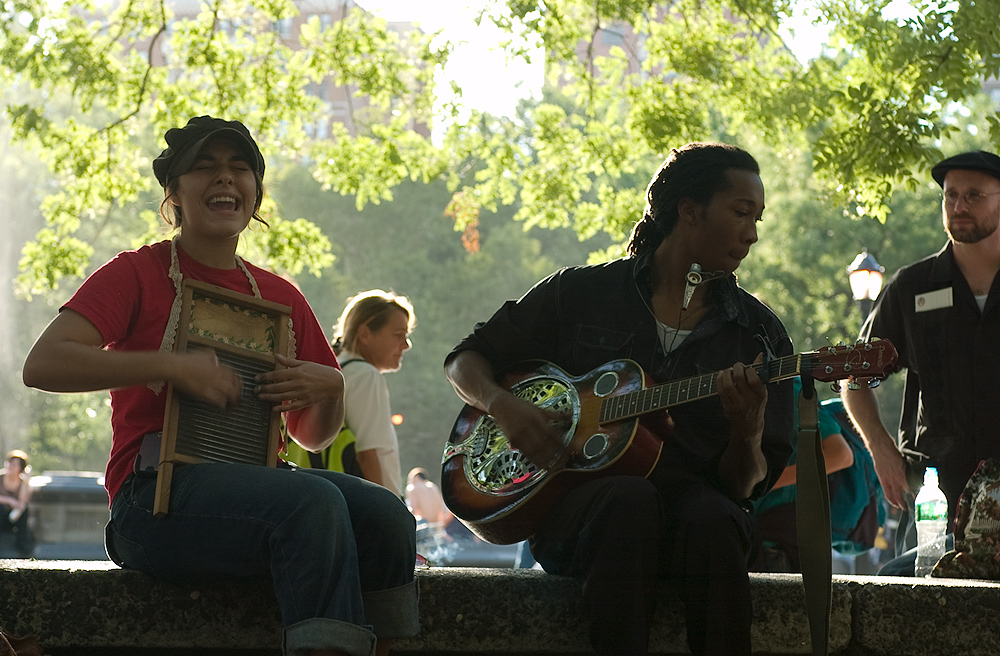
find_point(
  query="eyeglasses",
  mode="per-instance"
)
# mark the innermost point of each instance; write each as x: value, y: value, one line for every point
x: 970, y: 198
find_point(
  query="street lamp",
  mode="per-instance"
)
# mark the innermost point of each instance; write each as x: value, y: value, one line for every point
x: 865, y: 275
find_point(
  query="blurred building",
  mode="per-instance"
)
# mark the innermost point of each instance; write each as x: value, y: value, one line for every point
x: 67, y: 515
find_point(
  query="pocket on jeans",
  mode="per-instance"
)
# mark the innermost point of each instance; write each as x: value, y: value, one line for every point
x: 124, y: 552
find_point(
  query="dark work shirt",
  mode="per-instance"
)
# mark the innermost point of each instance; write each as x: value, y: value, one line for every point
x: 951, y: 351
x: 582, y: 317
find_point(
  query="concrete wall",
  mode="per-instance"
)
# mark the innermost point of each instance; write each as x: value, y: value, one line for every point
x: 77, y: 608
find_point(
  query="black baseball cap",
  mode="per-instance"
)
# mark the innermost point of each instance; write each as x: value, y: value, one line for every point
x: 184, y: 145
x: 976, y: 160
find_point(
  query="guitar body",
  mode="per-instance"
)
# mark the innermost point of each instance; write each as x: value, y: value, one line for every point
x: 500, y: 494
x: 616, y: 426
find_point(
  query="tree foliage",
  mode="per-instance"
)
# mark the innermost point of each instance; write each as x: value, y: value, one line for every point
x: 843, y: 139
x: 873, y: 109
x: 228, y: 60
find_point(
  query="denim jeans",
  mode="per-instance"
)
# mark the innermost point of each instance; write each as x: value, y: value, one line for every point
x: 620, y: 534
x: 339, y: 550
x: 905, y: 564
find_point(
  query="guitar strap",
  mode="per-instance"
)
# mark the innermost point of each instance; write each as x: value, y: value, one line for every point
x: 812, y: 516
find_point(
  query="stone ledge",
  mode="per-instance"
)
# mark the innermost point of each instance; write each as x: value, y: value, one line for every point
x: 78, y: 608
x: 926, y: 617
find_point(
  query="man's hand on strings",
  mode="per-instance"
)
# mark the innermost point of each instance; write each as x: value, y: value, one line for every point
x: 744, y: 398
x: 536, y: 432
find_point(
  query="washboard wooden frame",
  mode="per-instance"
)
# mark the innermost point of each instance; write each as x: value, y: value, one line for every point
x: 245, y: 332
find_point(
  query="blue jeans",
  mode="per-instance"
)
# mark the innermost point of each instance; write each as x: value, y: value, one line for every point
x: 339, y: 550
x: 905, y: 564
x: 620, y: 534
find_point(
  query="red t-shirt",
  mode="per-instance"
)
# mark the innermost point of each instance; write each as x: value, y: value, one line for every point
x: 129, y: 300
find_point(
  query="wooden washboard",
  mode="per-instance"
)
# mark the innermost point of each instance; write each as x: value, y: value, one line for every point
x: 245, y: 332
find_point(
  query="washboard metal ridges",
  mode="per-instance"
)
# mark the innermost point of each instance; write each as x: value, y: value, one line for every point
x: 245, y: 332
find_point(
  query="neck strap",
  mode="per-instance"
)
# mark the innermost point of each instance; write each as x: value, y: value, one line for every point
x: 170, y: 332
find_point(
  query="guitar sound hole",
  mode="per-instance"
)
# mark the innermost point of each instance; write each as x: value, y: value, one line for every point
x: 485, y: 436
x: 511, y: 467
x: 606, y: 383
x: 493, y: 466
x: 595, y: 445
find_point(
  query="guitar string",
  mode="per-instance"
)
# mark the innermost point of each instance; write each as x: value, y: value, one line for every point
x: 646, y: 399
x: 638, y: 402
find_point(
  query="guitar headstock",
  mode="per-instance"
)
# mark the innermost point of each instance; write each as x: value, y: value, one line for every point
x: 872, y: 360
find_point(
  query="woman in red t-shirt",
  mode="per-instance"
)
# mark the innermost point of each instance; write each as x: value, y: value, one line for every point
x: 227, y: 520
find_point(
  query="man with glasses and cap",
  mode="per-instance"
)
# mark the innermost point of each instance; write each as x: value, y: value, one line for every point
x: 943, y: 315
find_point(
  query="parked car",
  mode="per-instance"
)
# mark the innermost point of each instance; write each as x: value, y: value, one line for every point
x: 69, y: 510
x: 457, y: 546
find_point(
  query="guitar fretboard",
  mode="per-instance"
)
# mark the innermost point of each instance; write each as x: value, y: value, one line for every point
x: 658, y: 397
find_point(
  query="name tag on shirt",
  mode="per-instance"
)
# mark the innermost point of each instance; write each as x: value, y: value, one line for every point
x: 935, y: 300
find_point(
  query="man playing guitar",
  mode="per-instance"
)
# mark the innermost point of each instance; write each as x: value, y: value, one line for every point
x: 673, y: 306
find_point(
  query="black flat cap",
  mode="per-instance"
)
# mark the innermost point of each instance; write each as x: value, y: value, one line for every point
x: 976, y: 160
x: 184, y: 144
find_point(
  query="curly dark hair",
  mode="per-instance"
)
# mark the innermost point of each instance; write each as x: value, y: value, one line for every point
x: 697, y: 171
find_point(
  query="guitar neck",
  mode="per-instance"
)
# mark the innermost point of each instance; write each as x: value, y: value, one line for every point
x: 659, y: 397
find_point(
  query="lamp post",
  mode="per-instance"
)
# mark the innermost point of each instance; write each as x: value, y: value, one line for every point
x: 865, y: 275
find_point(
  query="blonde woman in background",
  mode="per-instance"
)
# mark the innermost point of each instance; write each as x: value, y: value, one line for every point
x: 370, y: 339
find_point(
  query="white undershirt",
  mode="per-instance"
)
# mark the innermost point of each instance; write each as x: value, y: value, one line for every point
x: 670, y: 338
x: 981, y: 301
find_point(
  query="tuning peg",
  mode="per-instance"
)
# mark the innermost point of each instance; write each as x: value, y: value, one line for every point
x: 873, y: 383
x: 853, y: 385
x: 835, y: 386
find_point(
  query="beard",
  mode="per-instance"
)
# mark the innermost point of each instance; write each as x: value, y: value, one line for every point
x: 971, y: 233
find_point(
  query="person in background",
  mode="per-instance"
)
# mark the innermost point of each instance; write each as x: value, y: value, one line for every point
x: 435, y: 523
x: 691, y: 519
x: 370, y: 339
x: 424, y: 500
x: 15, y: 495
x: 775, y: 511
x: 338, y: 550
x: 942, y: 313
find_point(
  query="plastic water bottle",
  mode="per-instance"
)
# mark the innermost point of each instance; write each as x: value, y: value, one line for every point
x: 932, y: 523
